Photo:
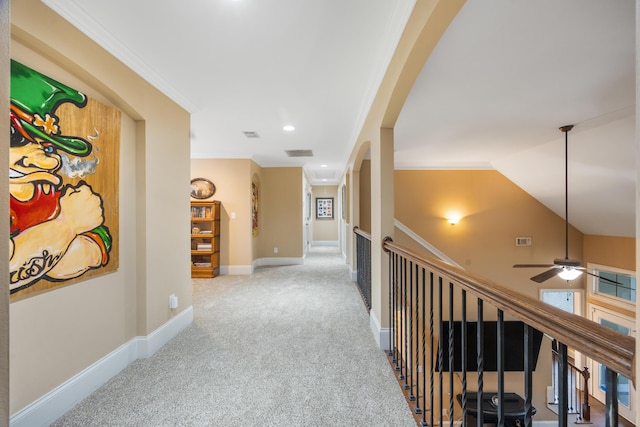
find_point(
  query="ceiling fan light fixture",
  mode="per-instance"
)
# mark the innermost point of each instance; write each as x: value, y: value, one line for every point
x: 569, y: 273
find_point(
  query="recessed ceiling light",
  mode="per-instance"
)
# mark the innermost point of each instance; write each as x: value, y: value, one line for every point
x: 324, y: 180
x: 288, y: 128
x: 323, y: 166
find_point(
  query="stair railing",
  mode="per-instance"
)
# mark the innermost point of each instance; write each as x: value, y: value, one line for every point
x: 427, y: 297
x: 577, y: 388
x: 363, y: 264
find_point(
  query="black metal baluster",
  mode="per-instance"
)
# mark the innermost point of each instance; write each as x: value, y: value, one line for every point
x: 480, y: 351
x: 367, y: 274
x: 431, y: 364
x: 405, y: 351
x: 611, y: 399
x: 440, y: 350
x: 463, y: 337
x: 424, y: 349
x: 396, y: 330
x: 563, y: 365
x: 416, y: 408
x: 451, y: 366
x: 401, y: 320
x: 501, y: 361
x: 408, y: 383
x: 391, y: 308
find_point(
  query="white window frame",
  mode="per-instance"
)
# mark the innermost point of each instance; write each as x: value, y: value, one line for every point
x: 593, y: 294
x: 578, y: 298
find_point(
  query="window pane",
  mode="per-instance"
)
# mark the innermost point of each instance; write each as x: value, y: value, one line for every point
x: 623, y: 382
x: 617, y: 285
x: 560, y: 299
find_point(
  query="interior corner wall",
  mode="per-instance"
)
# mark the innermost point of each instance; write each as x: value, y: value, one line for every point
x: 325, y: 230
x: 58, y: 334
x: 232, y: 178
x: 281, y: 213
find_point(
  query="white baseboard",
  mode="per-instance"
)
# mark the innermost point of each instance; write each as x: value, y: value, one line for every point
x: 325, y: 243
x: 279, y: 261
x: 48, y: 408
x: 354, y: 275
x: 380, y: 334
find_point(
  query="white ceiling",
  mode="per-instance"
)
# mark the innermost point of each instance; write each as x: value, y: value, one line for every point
x: 504, y: 77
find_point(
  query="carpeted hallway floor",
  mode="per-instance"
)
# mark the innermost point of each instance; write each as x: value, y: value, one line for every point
x: 287, y: 346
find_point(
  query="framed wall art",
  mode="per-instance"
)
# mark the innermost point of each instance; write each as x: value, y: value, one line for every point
x: 202, y: 188
x: 63, y: 185
x: 324, y: 207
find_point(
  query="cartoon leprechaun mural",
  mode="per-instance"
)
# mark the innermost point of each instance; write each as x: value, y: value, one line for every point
x: 57, y: 229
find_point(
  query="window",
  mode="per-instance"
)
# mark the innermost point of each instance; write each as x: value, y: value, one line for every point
x: 613, y: 285
x: 616, y: 285
x: 569, y: 300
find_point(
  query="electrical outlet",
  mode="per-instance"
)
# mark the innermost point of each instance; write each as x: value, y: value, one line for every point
x: 173, y: 301
x: 275, y: 250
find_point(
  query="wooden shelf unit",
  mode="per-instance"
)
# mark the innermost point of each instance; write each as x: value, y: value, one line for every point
x: 205, y: 239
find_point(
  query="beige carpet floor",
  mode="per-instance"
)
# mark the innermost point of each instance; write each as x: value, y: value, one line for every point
x: 286, y: 346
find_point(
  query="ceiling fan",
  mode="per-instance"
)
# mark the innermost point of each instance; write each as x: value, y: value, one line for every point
x: 565, y: 268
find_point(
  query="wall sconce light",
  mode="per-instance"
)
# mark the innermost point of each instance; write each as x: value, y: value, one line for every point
x: 453, y: 220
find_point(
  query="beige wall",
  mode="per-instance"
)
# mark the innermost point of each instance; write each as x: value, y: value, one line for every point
x: 280, y: 209
x: 325, y: 230
x: 365, y: 196
x: 281, y: 213
x: 494, y: 212
x: 619, y: 252
x: 232, y: 178
x: 59, y: 333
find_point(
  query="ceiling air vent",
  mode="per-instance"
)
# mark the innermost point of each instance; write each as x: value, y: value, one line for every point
x: 523, y: 241
x: 251, y: 134
x: 299, y: 153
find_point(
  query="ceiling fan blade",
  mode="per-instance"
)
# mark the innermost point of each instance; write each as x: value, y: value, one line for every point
x: 545, y: 275
x: 533, y: 265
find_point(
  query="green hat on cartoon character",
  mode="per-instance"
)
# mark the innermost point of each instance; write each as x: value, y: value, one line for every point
x: 34, y: 100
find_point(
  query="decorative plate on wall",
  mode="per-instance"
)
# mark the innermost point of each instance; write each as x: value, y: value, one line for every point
x: 202, y: 188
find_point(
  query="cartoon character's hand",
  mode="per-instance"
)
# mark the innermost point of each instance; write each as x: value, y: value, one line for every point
x: 80, y: 208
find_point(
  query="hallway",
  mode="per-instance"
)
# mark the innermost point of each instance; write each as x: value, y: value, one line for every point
x: 286, y: 346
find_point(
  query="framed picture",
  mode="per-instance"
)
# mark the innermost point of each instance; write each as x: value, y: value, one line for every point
x: 324, y: 207
x: 202, y: 188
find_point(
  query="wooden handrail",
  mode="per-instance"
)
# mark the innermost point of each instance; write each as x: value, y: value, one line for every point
x: 606, y: 346
x: 359, y: 232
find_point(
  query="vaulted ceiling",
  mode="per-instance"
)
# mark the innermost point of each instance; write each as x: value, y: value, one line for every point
x: 502, y: 80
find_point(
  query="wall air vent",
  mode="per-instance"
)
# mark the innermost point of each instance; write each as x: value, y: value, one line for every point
x: 523, y: 241
x: 251, y: 134
x: 299, y: 153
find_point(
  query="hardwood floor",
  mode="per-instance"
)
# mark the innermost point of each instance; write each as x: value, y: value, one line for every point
x: 598, y: 418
